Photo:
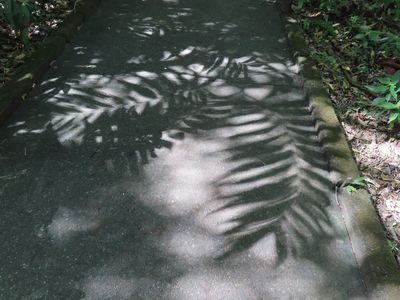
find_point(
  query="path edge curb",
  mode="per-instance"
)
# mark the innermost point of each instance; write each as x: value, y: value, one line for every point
x: 28, y: 75
x: 381, y: 274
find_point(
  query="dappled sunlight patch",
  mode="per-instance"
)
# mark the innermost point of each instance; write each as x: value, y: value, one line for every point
x: 260, y: 78
x: 16, y: 124
x: 190, y: 244
x: 147, y: 75
x: 258, y: 93
x: 103, y: 287
x: 279, y: 66
x: 246, y: 118
x: 304, y: 281
x: 134, y: 80
x: 221, y: 89
x: 211, y: 286
x: 266, y: 249
x: 172, y: 77
x: 67, y: 223
x: 186, y: 51
x: 137, y: 59
x: 96, y: 61
x: 119, y: 287
x: 181, y: 178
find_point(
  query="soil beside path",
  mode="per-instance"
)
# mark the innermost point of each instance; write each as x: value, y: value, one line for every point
x: 170, y: 154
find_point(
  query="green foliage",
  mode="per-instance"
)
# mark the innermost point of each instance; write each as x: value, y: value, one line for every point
x: 330, y: 6
x: 324, y: 59
x: 356, y: 184
x: 391, y: 44
x: 354, y: 20
x: 362, y: 68
x: 333, y: 6
x: 393, y: 246
x: 368, y: 36
x: 18, y: 13
x: 357, y: 36
x: 388, y: 91
x: 319, y: 23
x: 299, y: 5
x: 392, y: 8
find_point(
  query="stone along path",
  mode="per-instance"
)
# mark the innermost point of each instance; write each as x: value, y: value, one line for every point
x: 170, y: 154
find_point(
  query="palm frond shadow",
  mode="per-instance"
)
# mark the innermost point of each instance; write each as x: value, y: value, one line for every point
x: 277, y: 179
x: 167, y: 88
x: 277, y: 182
x: 171, y: 74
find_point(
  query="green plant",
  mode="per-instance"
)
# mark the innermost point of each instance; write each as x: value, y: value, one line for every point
x: 356, y: 184
x: 391, y: 44
x: 388, y: 91
x: 393, y: 246
x: 392, y: 8
x: 18, y: 13
x: 354, y: 20
x: 362, y: 68
x: 299, y: 6
x: 367, y: 35
x: 329, y: 6
x: 318, y: 23
x: 333, y: 6
x: 324, y: 59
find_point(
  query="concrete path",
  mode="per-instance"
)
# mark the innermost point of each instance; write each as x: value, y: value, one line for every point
x: 170, y: 154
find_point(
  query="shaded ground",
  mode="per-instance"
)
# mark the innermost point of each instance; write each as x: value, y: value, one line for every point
x: 170, y: 154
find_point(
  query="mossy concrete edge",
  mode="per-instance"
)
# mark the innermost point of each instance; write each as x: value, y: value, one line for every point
x: 379, y: 269
x: 15, y: 90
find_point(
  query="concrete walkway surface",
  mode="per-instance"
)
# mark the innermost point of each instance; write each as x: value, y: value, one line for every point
x: 170, y: 154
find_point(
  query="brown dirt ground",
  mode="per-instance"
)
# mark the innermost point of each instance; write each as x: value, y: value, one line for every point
x: 378, y: 156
